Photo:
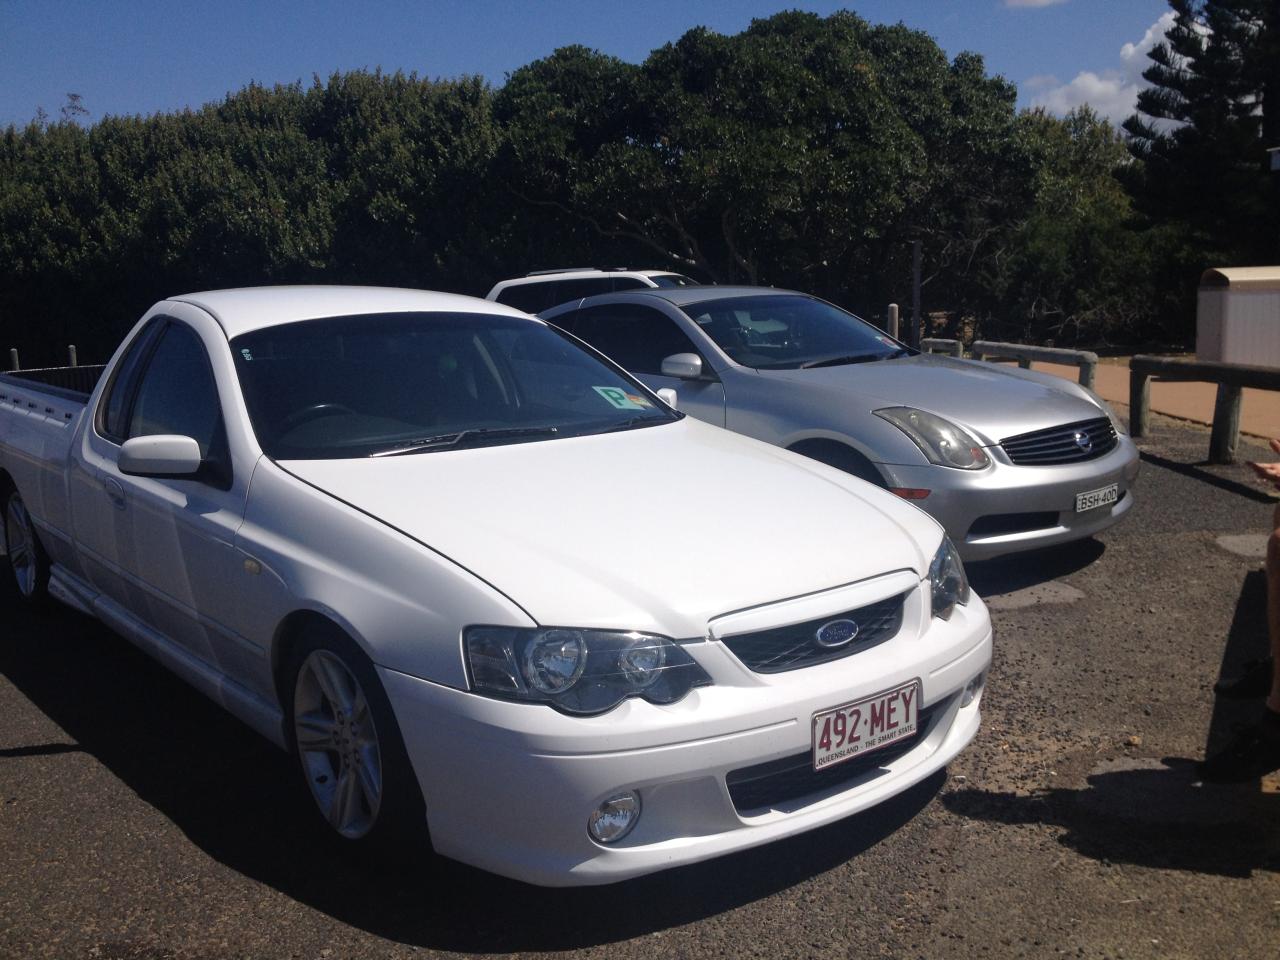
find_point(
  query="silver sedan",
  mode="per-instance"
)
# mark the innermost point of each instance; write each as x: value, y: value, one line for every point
x: 1005, y: 459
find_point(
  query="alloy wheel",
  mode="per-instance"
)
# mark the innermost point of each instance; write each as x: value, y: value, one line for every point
x: 337, y: 743
x: 20, y: 544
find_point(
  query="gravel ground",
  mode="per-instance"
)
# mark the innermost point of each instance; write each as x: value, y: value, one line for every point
x: 139, y: 821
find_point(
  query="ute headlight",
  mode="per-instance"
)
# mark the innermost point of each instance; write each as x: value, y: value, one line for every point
x: 578, y: 671
x: 947, y: 582
x: 941, y: 441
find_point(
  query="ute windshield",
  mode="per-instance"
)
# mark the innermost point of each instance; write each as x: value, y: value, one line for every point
x: 407, y: 383
x: 789, y: 331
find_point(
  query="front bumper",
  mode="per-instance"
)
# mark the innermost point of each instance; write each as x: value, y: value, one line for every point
x: 1035, y: 503
x: 509, y: 786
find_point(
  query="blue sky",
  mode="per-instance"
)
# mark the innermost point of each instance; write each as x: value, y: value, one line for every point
x: 143, y: 56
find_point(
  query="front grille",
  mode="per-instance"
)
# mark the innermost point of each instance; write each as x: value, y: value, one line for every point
x: 795, y: 646
x: 755, y: 789
x: 1070, y: 443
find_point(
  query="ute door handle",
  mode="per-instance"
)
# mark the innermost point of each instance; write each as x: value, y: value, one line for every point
x: 115, y: 492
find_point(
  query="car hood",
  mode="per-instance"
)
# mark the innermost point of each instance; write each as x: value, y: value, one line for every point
x: 994, y: 401
x: 656, y: 529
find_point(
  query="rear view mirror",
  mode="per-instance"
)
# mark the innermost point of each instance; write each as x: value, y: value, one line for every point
x: 685, y: 366
x: 160, y: 456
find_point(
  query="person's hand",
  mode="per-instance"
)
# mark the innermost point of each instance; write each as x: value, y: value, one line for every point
x: 1268, y: 471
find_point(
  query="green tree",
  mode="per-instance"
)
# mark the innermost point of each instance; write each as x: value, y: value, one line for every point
x: 1202, y: 129
x: 805, y: 151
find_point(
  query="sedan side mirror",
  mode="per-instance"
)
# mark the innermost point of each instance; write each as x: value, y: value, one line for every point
x: 685, y: 366
x: 668, y: 396
x: 160, y: 456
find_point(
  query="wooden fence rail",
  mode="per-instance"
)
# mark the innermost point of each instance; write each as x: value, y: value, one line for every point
x: 1085, y: 360
x: 1231, y: 379
x: 939, y: 345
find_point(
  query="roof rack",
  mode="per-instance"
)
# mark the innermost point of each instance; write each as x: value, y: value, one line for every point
x: 546, y: 273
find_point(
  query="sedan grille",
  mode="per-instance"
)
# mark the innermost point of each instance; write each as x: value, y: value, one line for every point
x: 796, y: 645
x: 779, y: 782
x: 1070, y: 443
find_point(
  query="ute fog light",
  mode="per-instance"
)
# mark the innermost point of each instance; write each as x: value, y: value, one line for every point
x: 613, y: 819
x: 972, y: 690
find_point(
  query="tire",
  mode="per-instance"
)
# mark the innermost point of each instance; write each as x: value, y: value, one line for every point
x: 27, y: 562
x: 349, y: 750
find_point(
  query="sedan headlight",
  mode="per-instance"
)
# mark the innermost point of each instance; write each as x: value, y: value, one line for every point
x: 1116, y: 422
x: 947, y: 582
x: 578, y: 671
x: 941, y: 441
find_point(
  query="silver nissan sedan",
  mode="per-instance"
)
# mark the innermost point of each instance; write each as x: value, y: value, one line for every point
x: 1005, y: 459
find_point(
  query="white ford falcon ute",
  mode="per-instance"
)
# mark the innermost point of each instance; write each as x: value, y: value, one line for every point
x: 486, y: 586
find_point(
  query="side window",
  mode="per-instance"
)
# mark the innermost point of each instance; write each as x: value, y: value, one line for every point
x: 635, y: 338
x: 577, y: 289
x: 177, y: 394
x: 529, y: 297
x: 115, y: 405
x: 629, y: 283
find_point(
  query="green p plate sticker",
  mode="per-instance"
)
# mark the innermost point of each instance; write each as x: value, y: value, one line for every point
x: 622, y: 400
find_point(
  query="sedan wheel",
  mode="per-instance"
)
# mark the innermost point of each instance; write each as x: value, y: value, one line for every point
x: 27, y: 559
x: 337, y: 742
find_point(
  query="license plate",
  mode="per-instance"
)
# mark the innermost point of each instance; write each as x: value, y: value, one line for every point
x: 1092, y: 499
x: 865, y: 725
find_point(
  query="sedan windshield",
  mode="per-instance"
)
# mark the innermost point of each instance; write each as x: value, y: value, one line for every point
x: 408, y: 383
x: 789, y: 331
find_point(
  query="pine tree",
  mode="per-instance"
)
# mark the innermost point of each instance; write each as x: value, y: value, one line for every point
x: 1203, y: 128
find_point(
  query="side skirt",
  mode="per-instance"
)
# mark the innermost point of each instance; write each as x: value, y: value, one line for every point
x: 264, y: 717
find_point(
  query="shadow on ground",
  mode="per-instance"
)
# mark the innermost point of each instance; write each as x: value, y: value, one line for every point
x: 1150, y: 813
x: 1197, y: 471
x: 236, y: 797
x: 1154, y: 813
x: 1246, y: 640
x: 1017, y: 571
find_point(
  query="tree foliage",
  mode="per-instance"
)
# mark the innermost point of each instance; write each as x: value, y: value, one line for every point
x: 1203, y: 183
x: 805, y: 151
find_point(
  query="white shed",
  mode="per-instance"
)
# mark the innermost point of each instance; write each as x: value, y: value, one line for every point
x: 1238, y: 316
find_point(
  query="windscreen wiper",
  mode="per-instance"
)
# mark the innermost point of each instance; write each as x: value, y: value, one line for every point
x: 638, y: 422
x: 840, y: 361
x: 446, y: 441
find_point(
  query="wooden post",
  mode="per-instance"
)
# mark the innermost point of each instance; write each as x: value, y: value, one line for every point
x: 1226, y: 424
x: 1086, y: 374
x: 917, y: 327
x: 1139, y: 403
x: 13, y: 359
x: 892, y: 326
x: 71, y: 355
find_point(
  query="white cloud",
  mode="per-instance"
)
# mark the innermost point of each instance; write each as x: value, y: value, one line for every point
x: 1032, y: 3
x: 1041, y: 81
x: 1111, y: 92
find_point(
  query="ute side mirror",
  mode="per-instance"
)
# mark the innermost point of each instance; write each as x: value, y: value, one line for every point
x: 161, y: 455
x: 668, y: 396
x: 684, y: 366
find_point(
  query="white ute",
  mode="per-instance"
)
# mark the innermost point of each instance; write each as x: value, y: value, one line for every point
x: 483, y: 583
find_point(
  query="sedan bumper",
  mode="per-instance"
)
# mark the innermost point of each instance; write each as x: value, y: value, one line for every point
x: 509, y: 787
x: 1008, y: 508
